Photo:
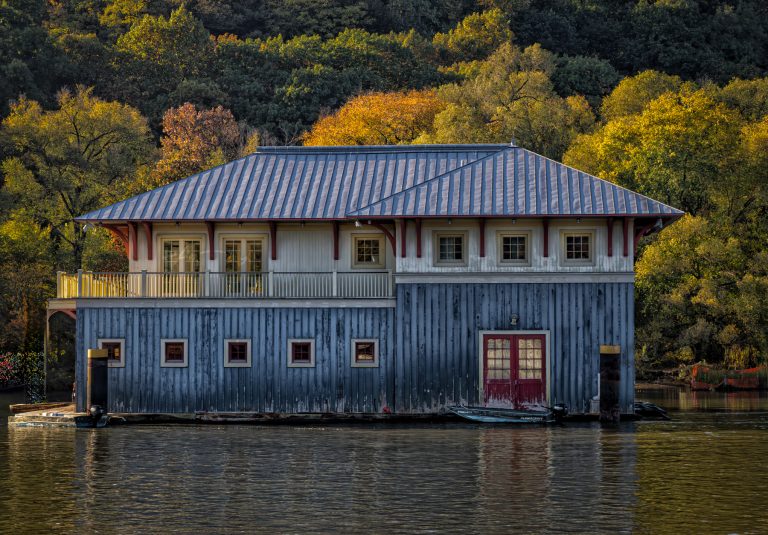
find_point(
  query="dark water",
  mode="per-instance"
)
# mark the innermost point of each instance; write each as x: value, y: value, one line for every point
x: 704, y: 472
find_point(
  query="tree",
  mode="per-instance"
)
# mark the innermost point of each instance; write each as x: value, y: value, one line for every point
x: 676, y: 150
x: 378, y: 119
x: 194, y: 140
x: 71, y: 160
x: 593, y: 78
x: 750, y: 97
x: 511, y: 97
x: 290, y: 18
x: 475, y: 37
x: 634, y: 93
x: 25, y: 281
x: 156, y: 55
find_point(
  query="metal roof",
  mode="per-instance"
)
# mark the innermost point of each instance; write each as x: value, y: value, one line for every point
x: 294, y: 183
x: 304, y: 183
x: 515, y: 182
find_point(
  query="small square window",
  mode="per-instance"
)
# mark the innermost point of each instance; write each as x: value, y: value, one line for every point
x: 365, y: 353
x: 115, y: 351
x: 301, y: 353
x: 368, y: 251
x: 450, y: 249
x: 174, y: 353
x: 578, y: 248
x: 237, y: 353
x: 513, y: 248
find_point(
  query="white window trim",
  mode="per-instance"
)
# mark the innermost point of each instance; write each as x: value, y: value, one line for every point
x: 289, y: 356
x: 382, y: 251
x: 181, y: 236
x: 375, y: 363
x: 564, y: 233
x: 164, y: 364
x: 222, y: 252
x: 436, y: 235
x: 121, y: 341
x: 247, y: 363
x: 500, y: 235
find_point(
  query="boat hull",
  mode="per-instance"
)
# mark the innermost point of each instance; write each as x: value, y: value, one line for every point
x: 488, y: 415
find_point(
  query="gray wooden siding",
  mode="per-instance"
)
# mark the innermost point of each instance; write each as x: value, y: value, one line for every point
x: 437, y: 352
x: 268, y: 386
x: 428, y: 349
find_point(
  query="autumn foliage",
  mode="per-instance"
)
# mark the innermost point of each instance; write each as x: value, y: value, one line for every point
x: 378, y: 119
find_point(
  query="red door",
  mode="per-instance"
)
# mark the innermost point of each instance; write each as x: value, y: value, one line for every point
x: 514, y: 369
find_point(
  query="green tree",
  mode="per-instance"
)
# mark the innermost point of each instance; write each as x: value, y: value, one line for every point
x: 512, y: 97
x: 475, y: 37
x: 634, y: 93
x: 156, y: 55
x: 676, y: 150
x: 71, y: 160
x: 593, y: 78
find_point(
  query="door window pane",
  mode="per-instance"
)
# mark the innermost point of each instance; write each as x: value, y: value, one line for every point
x: 171, y: 255
x: 191, y: 256
x: 498, y: 358
x: 254, y: 248
x: 232, y: 256
x: 530, y: 361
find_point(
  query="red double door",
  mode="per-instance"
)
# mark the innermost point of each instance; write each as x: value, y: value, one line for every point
x: 514, y: 369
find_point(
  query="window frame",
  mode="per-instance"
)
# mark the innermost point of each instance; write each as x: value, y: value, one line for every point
x: 500, y: 235
x: 437, y: 234
x: 291, y: 363
x: 382, y: 251
x: 243, y: 239
x: 111, y: 362
x: 162, y: 238
x: 164, y: 363
x: 353, y: 353
x: 228, y: 363
x: 565, y: 234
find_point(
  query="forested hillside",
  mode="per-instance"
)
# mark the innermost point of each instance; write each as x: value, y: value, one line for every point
x: 102, y: 99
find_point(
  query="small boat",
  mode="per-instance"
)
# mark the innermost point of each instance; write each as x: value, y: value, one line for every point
x: 644, y: 409
x: 492, y: 415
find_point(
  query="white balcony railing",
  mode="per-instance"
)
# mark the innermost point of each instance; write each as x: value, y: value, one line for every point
x: 357, y: 284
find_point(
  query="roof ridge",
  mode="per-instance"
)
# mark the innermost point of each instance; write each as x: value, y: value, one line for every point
x: 403, y: 191
x: 445, y: 147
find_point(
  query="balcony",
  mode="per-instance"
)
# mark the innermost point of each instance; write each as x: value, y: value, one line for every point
x: 211, y: 285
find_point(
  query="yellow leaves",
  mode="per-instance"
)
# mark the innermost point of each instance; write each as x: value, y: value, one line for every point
x: 378, y: 119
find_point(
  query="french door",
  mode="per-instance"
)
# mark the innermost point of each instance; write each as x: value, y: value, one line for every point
x: 514, y: 369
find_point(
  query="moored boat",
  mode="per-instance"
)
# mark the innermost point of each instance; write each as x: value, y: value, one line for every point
x: 494, y: 415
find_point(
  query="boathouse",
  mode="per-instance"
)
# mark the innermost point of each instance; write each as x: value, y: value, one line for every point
x: 365, y: 280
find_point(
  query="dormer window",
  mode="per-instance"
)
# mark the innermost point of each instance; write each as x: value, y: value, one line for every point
x: 367, y: 251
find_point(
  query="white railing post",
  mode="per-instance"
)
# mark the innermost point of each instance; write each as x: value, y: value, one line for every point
x: 143, y: 283
x: 79, y: 283
x: 270, y: 283
x: 207, y: 283
x: 390, y: 283
x: 335, y: 283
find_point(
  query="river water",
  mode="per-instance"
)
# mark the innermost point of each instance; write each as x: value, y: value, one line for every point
x: 706, y: 471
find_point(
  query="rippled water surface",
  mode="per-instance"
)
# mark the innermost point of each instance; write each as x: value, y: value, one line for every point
x: 704, y: 472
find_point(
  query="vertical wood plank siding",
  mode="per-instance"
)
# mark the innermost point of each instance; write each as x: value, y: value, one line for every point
x: 428, y: 350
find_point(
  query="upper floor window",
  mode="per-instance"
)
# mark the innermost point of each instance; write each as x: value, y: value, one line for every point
x: 181, y: 255
x: 243, y: 255
x: 367, y: 251
x: 450, y: 248
x: 513, y: 248
x: 115, y: 352
x: 578, y: 248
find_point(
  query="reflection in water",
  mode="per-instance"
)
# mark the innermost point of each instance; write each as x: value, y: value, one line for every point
x: 701, y: 472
